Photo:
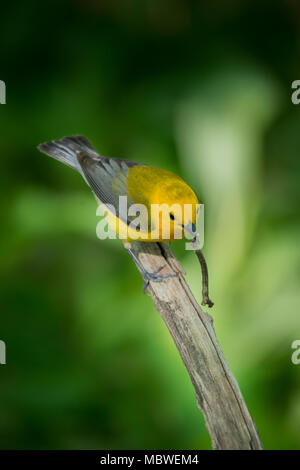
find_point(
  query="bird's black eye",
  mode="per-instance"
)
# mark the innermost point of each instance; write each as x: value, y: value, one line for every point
x: 172, y: 217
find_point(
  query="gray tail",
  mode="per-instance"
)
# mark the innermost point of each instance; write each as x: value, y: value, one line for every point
x: 67, y: 149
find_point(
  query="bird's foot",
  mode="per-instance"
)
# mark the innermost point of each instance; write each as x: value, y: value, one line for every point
x: 154, y: 277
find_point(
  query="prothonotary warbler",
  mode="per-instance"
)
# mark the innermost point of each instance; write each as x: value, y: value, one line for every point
x: 112, y: 179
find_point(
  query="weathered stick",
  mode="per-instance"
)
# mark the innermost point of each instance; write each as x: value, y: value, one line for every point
x: 218, y: 395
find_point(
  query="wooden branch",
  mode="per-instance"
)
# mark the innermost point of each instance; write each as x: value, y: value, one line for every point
x: 218, y: 395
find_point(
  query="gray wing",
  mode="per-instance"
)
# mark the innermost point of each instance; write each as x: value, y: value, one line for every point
x: 107, y: 177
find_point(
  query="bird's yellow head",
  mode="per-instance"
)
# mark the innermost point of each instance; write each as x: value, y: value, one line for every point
x: 179, y: 209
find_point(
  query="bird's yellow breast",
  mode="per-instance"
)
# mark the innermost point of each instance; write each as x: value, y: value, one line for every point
x: 152, y: 186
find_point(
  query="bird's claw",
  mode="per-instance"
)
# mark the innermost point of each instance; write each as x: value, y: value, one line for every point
x: 154, y: 277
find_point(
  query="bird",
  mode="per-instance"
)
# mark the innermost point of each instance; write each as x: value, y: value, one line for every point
x: 144, y: 185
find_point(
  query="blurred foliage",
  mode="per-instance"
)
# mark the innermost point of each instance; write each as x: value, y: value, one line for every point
x: 200, y: 89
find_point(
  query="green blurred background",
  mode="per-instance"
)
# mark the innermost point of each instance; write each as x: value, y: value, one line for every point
x: 200, y: 89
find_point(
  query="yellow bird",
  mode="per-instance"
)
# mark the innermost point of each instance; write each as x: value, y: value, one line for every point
x: 150, y: 187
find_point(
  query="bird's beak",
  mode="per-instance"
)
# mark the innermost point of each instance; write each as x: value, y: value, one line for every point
x: 191, y: 228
